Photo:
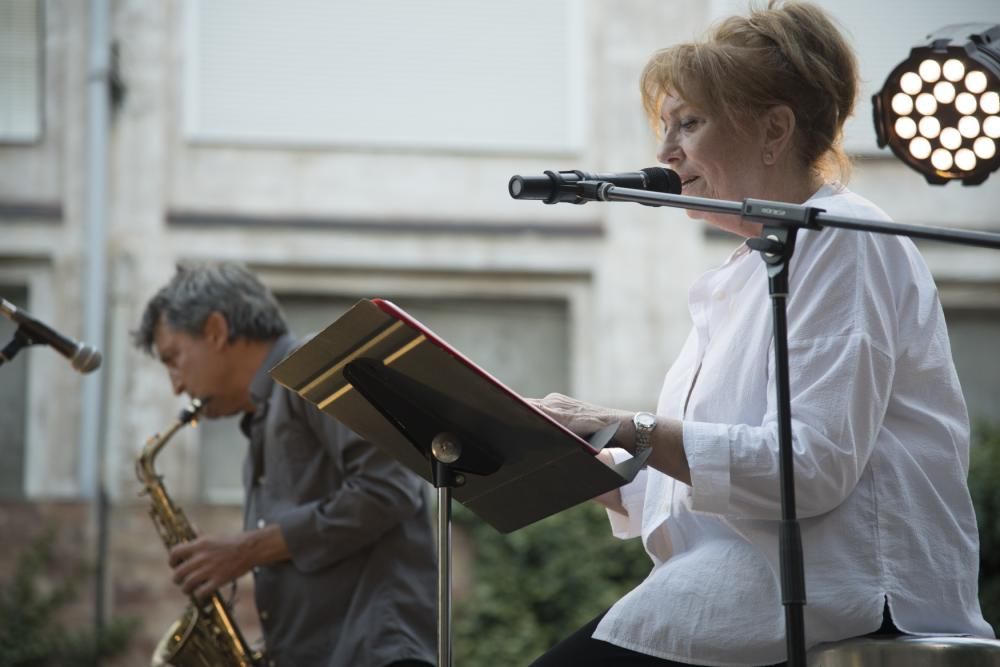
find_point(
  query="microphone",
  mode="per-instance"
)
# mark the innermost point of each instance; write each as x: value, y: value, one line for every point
x: 84, y: 358
x: 562, y: 186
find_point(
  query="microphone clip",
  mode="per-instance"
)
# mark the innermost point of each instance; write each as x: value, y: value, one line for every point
x: 21, y: 339
x: 569, y: 187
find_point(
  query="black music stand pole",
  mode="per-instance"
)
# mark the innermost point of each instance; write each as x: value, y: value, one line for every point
x: 445, y: 449
x: 417, y: 416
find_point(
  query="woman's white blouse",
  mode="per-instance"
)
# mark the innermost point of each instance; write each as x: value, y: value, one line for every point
x: 880, y: 437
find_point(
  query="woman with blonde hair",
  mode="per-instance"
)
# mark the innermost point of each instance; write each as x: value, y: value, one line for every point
x: 879, y: 425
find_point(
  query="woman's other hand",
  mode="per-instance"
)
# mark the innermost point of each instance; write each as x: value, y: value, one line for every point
x: 579, y: 416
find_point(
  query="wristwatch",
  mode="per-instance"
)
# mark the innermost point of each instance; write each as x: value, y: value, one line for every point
x: 644, y: 423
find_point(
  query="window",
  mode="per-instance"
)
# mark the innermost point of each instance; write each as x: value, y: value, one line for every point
x: 20, y: 71
x: 522, y: 342
x: 440, y: 74
x: 974, y: 334
x: 13, y: 403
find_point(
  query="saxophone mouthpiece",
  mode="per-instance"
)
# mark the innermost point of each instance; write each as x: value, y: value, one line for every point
x: 189, y: 414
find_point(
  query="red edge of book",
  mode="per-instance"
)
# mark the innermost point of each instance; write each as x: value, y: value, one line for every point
x: 391, y: 309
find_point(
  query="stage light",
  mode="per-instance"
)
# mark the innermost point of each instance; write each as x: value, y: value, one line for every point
x: 939, y: 110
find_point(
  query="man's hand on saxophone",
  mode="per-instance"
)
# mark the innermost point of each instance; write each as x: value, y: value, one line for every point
x: 206, y: 564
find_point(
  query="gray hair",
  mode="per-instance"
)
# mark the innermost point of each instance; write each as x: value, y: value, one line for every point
x: 198, y: 290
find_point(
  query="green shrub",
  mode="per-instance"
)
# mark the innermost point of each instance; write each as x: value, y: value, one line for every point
x: 538, y: 584
x: 984, y: 483
x: 30, y: 633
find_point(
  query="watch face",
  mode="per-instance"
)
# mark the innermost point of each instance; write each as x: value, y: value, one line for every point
x: 645, y: 420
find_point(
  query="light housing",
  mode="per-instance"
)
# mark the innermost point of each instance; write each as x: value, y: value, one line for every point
x: 939, y: 110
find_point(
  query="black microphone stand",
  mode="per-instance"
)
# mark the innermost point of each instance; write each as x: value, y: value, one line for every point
x: 776, y: 243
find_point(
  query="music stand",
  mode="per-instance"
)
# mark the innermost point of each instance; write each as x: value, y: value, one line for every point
x: 393, y: 381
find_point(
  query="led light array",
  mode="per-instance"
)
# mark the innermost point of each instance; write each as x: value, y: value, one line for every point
x: 946, y: 114
x: 939, y: 111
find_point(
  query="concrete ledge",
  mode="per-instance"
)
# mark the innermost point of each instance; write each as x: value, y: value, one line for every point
x: 907, y: 651
x: 299, y: 222
x: 14, y: 211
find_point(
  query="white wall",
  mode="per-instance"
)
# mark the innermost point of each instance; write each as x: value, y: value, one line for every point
x: 427, y: 218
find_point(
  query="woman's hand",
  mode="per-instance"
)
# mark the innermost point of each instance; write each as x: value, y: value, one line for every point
x: 583, y: 418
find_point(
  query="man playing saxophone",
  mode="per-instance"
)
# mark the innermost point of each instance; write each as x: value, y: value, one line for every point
x: 336, y: 532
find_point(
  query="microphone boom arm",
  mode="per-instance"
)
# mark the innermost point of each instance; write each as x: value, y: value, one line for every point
x: 782, y: 214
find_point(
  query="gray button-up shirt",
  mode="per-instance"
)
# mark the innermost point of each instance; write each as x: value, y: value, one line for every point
x: 360, y: 588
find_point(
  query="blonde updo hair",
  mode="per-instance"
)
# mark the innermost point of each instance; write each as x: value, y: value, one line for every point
x: 791, y: 54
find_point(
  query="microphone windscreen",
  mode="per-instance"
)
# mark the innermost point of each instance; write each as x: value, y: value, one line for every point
x: 87, y: 359
x: 661, y: 179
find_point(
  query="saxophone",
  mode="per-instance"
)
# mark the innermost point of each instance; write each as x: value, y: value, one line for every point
x: 205, y: 635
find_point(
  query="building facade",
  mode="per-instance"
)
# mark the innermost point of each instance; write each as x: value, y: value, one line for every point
x: 352, y: 150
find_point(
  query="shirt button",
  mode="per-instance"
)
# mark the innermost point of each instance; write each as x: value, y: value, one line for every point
x: 264, y: 615
x: 271, y: 663
x: 261, y: 523
x: 261, y: 480
x: 720, y: 296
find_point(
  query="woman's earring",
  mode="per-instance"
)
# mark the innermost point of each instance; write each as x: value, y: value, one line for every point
x: 768, y: 158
